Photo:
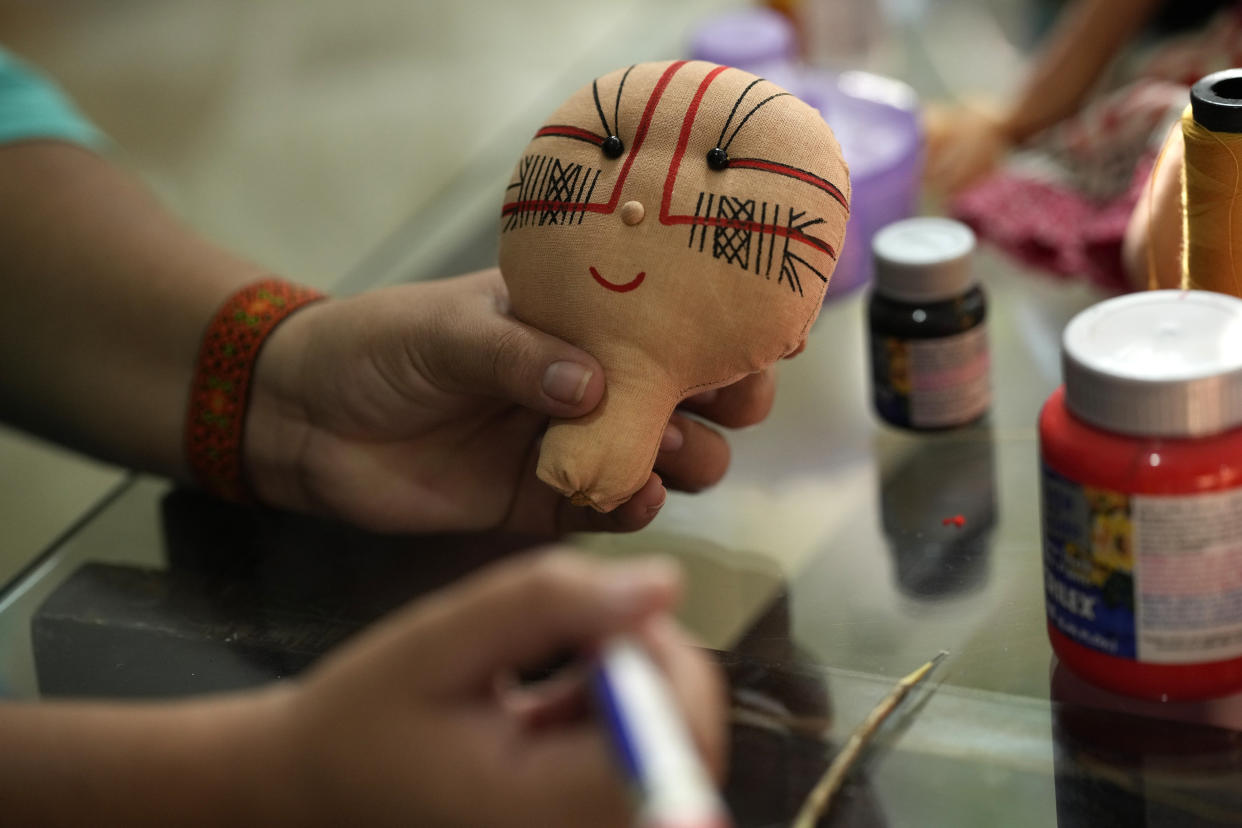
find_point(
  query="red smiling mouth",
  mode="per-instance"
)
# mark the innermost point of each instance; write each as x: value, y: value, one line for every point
x: 624, y: 287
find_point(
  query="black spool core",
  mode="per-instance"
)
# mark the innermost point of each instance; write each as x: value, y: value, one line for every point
x: 613, y: 147
x: 717, y: 158
x: 1216, y: 101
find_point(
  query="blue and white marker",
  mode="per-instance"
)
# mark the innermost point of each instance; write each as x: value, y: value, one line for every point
x: 653, y: 742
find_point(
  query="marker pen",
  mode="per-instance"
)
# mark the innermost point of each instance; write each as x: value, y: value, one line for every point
x: 654, y: 743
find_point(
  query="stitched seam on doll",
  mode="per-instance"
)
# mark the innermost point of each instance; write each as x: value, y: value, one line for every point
x: 718, y: 383
x: 220, y: 391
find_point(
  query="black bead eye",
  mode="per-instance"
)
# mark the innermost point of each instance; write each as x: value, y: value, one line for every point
x: 613, y: 147
x: 717, y: 158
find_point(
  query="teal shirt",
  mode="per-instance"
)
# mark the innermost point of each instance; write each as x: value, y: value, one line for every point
x: 32, y: 106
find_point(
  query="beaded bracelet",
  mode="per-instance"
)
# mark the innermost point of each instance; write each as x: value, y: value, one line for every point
x: 216, y: 416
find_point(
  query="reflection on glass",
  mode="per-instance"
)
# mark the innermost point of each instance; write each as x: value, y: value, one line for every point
x: 938, y: 508
x: 781, y: 713
x: 246, y: 596
x: 1126, y: 762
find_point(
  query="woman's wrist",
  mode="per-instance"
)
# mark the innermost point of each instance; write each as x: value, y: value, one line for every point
x: 224, y: 378
x: 1005, y: 122
x: 277, y: 427
x: 250, y: 741
x: 225, y: 760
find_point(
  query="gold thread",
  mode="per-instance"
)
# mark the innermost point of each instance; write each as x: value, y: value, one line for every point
x: 1210, y: 192
x: 1153, y: 282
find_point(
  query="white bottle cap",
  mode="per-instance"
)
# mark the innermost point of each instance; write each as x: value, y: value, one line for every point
x: 1164, y: 363
x: 923, y: 259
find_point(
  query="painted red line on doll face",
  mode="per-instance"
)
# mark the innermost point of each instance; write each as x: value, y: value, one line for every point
x: 692, y: 110
x: 791, y: 172
x: 625, y: 287
x: 640, y: 135
x: 566, y: 131
x: 793, y: 233
x: 667, y: 218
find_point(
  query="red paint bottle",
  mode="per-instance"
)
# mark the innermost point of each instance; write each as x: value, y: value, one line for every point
x: 1141, y: 454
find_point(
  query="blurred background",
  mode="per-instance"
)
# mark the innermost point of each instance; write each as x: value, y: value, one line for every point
x: 317, y: 137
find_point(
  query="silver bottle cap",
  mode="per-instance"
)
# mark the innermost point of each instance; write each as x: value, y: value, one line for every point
x: 923, y: 259
x: 1164, y: 363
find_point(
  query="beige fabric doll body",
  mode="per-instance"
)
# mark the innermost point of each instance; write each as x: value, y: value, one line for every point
x: 679, y: 221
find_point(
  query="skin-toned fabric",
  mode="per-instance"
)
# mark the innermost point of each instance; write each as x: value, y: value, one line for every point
x: 741, y: 197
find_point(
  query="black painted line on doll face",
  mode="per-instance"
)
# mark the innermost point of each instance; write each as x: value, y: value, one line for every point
x: 776, y: 216
x: 731, y: 231
x: 763, y: 219
x: 569, y: 131
x: 790, y: 264
x: 790, y: 260
x: 737, y: 233
x: 555, y: 192
x: 523, y: 205
x: 796, y: 173
x: 698, y: 206
x: 616, y: 108
x: 755, y: 109
x: 733, y: 111
x: 551, y: 191
x: 587, y: 200
x: 598, y: 108
x: 733, y: 214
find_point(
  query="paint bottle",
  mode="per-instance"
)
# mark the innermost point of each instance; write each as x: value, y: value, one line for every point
x: 1141, y: 454
x: 929, y: 350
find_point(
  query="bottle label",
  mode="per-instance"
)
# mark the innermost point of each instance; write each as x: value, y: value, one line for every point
x: 932, y: 383
x: 1155, y: 578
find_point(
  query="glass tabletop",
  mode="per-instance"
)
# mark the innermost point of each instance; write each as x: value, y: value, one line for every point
x: 821, y: 570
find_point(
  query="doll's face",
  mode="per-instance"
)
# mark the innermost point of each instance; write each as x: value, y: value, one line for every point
x: 680, y: 208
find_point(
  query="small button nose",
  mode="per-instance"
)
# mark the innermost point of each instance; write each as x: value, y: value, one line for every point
x: 632, y: 212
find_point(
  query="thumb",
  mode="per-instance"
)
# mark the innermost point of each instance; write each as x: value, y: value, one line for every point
x: 529, y: 610
x: 494, y: 354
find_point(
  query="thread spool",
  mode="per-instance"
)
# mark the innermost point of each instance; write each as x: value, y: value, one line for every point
x: 1212, y: 186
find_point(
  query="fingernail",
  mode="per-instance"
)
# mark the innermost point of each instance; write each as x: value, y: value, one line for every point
x: 566, y: 381
x: 631, y: 585
x: 672, y: 438
x: 654, y: 508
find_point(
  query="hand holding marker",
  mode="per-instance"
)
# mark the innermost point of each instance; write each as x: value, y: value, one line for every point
x: 654, y: 743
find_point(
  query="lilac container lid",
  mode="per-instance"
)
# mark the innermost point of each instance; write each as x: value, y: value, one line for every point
x: 876, y: 122
x: 748, y: 38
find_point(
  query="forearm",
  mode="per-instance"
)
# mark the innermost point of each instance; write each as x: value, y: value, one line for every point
x: 213, y: 762
x: 106, y: 297
x: 1087, y: 37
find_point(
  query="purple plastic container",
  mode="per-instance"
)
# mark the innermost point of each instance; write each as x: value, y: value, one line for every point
x: 876, y: 121
x: 748, y: 39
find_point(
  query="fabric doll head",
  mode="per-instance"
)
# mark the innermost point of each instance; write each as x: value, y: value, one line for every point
x: 679, y: 221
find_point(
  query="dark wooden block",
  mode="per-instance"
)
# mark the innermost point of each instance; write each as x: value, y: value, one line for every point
x: 127, y: 632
